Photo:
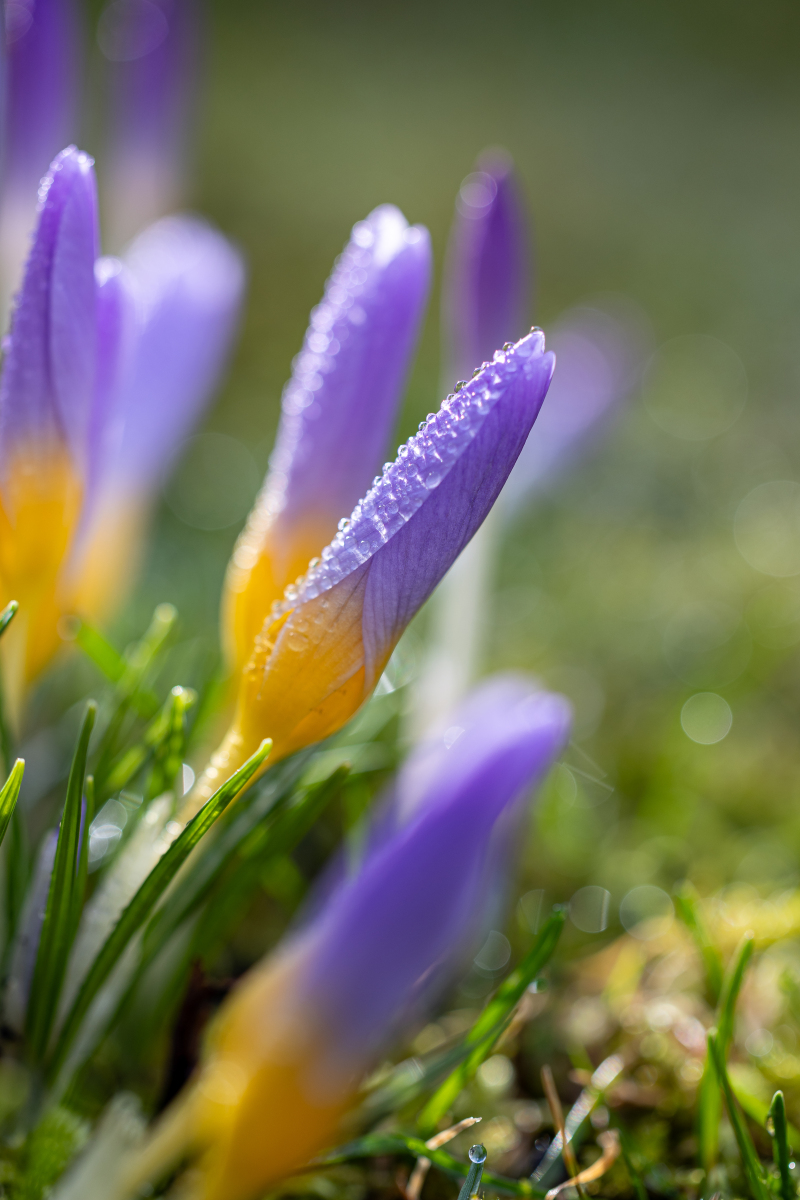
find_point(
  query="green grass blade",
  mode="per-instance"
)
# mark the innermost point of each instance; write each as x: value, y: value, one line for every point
x: 146, y: 898
x: 132, y: 698
x: 58, y: 927
x: 169, y: 742
x: 634, y: 1176
x: 9, y: 794
x: 6, y: 741
x: 688, y: 909
x: 276, y: 791
x: 750, y: 1160
x: 378, y: 1145
x: 477, y: 1157
x: 776, y: 1127
x: 17, y: 875
x: 730, y: 991
x: 492, y: 1022
x: 96, y: 647
x: 709, y: 1105
x: 7, y: 615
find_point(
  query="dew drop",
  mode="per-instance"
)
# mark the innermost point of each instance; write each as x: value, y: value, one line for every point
x: 477, y: 1153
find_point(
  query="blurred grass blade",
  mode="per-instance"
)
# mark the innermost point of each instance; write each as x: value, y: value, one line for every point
x: 634, y: 1176
x: 493, y: 1021
x: 131, y: 694
x: 730, y: 991
x: 168, y: 741
x: 63, y: 903
x: 145, y: 899
x: 6, y: 741
x: 82, y: 868
x: 7, y: 615
x: 687, y: 906
x: 750, y: 1160
x: 776, y: 1127
x: 9, y: 794
x: 602, y: 1078
x: 97, y: 648
x: 709, y: 1106
x: 379, y: 1145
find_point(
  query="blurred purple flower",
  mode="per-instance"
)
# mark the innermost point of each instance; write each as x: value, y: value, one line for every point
x: 486, y: 288
x: 150, y: 47
x: 39, y: 118
x: 294, y: 1040
x: 103, y: 364
x: 338, y: 411
x: 322, y: 650
x: 41, y: 100
x: 600, y: 352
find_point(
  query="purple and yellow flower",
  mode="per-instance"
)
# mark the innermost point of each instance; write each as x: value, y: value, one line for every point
x: 324, y: 646
x: 105, y: 367
x: 290, y: 1047
x: 338, y: 411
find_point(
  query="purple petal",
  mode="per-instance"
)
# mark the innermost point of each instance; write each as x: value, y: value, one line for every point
x: 600, y: 354
x: 341, y: 402
x: 188, y: 281
x: 389, y: 940
x: 48, y: 378
x: 150, y: 46
x: 412, y: 525
x: 486, y: 287
x: 116, y: 323
x: 42, y: 89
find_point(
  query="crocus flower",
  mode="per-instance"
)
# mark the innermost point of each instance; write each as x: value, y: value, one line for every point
x: 47, y: 393
x: 338, y: 412
x: 96, y: 359
x: 39, y: 117
x: 292, y: 1043
x: 325, y: 645
x: 150, y: 52
x: 485, y: 295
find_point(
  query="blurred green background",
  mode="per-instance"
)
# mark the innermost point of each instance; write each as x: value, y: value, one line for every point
x: 658, y: 149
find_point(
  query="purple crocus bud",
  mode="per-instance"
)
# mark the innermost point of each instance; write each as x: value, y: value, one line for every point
x: 601, y: 352
x: 47, y: 394
x: 172, y: 315
x: 150, y: 48
x: 40, y: 114
x: 293, y: 1041
x: 485, y: 293
x: 338, y: 411
x: 323, y: 648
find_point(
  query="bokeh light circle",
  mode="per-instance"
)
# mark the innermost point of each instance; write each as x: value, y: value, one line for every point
x: 588, y: 909
x: 767, y: 528
x: 695, y: 387
x: 706, y: 718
